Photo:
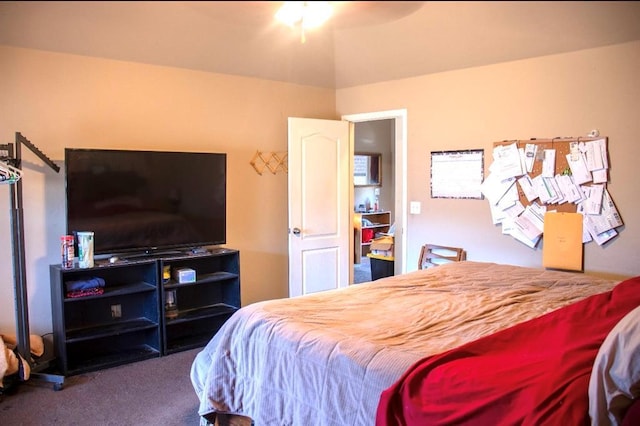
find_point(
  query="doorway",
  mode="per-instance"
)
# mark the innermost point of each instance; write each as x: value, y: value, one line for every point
x: 391, y: 195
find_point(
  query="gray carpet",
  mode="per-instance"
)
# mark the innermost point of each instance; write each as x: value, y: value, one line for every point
x: 156, y: 392
x: 362, y: 271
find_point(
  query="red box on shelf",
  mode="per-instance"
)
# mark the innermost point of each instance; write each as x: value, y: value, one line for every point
x: 367, y: 235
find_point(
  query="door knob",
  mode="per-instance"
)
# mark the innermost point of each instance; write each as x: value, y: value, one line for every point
x: 296, y: 231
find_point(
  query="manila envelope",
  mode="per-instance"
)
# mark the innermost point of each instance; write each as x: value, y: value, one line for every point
x: 562, y: 248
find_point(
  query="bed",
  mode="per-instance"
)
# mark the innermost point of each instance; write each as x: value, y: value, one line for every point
x: 343, y: 357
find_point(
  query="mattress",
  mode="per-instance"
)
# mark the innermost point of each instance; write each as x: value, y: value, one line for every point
x: 325, y: 358
x: 533, y: 373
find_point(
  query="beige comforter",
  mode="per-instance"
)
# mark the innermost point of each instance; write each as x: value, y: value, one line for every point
x: 325, y: 358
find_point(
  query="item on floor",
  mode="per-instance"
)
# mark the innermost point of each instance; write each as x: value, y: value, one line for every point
x: 381, y: 266
x: 11, y: 362
x: 381, y: 257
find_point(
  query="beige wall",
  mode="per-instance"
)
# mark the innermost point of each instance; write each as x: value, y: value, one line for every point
x: 59, y: 101
x: 561, y: 95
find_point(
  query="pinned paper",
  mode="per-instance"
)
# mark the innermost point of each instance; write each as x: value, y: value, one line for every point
x: 530, y: 151
x: 563, y: 175
x: 562, y: 247
x: 579, y: 170
x: 549, y: 163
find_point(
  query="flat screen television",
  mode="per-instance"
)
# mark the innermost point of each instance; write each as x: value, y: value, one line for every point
x: 146, y: 201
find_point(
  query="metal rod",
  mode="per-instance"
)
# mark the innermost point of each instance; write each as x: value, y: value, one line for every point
x: 19, y: 262
x: 19, y: 269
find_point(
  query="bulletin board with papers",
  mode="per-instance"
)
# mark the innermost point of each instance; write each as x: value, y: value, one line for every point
x: 529, y: 178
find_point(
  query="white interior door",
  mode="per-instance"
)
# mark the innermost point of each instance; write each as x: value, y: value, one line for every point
x: 320, y: 228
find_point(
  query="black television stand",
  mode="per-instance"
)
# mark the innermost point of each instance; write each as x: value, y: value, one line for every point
x: 144, y: 311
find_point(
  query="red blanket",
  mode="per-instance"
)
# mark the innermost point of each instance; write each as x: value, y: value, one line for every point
x: 533, y: 373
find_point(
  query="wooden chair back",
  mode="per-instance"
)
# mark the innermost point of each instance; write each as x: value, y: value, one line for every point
x: 434, y: 255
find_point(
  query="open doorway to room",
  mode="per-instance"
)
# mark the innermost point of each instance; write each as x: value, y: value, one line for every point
x: 373, y: 197
x: 378, y: 205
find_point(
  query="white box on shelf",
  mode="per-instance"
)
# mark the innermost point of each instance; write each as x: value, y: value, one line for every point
x: 184, y: 275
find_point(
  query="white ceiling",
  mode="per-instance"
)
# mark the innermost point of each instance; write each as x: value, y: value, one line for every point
x: 365, y: 42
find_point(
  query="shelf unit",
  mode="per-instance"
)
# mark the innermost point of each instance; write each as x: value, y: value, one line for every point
x: 119, y: 326
x: 381, y: 222
x: 204, y: 305
x: 128, y: 321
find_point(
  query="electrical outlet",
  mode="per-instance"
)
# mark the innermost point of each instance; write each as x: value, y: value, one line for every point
x: 116, y: 311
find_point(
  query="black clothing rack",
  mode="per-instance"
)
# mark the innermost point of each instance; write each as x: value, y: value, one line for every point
x: 14, y: 158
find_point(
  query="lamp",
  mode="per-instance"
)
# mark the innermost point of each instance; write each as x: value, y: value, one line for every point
x: 306, y: 14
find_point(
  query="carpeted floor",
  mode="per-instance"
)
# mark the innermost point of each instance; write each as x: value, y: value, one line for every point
x: 156, y: 392
x: 362, y: 271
